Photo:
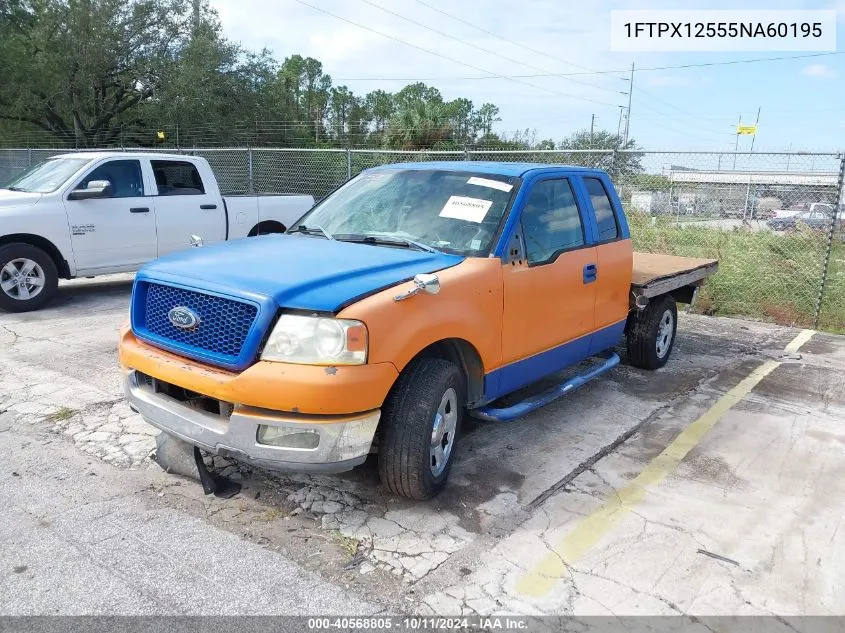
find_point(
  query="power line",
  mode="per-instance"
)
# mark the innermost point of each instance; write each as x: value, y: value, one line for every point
x: 663, y: 112
x: 481, y: 48
x: 591, y: 72
x: 504, y: 39
x: 674, y: 107
x: 686, y: 124
x: 451, y: 59
x: 663, y: 125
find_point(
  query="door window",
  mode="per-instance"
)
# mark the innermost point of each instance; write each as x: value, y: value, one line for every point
x: 551, y: 223
x: 177, y: 178
x: 124, y: 176
x: 605, y: 217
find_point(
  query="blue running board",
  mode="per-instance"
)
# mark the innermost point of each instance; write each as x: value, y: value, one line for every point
x: 508, y: 414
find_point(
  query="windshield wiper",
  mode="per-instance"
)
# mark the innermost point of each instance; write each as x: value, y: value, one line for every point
x: 310, y: 230
x: 16, y: 189
x: 386, y: 240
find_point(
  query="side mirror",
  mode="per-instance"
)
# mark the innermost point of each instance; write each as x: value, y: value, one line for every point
x: 428, y: 283
x: 196, y: 241
x: 95, y: 189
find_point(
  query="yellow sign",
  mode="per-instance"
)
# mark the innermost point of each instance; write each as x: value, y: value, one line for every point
x: 161, y: 135
x: 746, y: 129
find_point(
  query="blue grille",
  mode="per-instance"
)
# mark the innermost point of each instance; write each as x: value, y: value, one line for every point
x: 223, y: 327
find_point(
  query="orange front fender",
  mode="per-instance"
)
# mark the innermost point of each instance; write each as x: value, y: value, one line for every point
x: 268, y: 385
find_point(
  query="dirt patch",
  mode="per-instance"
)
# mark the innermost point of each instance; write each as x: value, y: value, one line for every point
x: 712, y: 469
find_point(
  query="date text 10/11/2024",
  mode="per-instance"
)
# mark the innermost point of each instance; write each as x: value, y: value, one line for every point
x: 418, y: 623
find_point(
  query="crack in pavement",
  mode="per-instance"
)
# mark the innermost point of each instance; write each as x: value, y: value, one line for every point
x: 606, y: 450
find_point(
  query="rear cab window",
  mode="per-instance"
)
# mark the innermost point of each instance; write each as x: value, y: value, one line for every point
x: 177, y: 178
x: 608, y: 224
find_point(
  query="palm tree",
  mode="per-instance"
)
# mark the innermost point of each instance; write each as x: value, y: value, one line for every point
x: 419, y: 126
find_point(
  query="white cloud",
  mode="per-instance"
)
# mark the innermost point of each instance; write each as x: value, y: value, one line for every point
x: 818, y: 70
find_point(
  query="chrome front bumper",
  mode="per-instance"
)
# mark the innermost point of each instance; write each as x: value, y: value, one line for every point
x: 344, y: 441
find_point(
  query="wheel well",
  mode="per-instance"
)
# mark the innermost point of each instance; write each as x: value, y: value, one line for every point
x: 45, y: 245
x: 266, y: 226
x: 465, y: 356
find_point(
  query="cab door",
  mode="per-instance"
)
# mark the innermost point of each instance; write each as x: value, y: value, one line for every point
x: 185, y: 206
x: 549, y: 280
x: 614, y: 262
x: 116, y: 232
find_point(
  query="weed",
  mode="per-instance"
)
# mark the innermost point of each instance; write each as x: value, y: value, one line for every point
x: 64, y: 413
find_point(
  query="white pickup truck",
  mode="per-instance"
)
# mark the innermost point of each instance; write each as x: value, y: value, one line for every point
x: 88, y: 214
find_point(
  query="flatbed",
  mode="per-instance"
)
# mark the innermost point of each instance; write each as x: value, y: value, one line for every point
x: 655, y: 274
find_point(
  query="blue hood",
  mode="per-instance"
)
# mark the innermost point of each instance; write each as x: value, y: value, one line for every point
x: 295, y: 271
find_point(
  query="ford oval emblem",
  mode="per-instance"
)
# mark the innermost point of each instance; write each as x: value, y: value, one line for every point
x: 183, y: 318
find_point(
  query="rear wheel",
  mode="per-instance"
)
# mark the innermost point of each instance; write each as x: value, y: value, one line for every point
x: 651, y: 334
x: 421, y: 421
x: 265, y: 228
x: 28, y: 278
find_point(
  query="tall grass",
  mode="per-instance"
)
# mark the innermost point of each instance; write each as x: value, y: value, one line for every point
x: 765, y: 275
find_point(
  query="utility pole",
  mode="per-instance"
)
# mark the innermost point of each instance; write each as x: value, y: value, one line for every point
x: 628, y: 117
x: 736, y: 145
x: 756, y: 121
x: 619, y: 125
x: 592, y: 125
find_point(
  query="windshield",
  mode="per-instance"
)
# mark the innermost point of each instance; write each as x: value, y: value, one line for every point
x: 458, y: 212
x: 47, y: 176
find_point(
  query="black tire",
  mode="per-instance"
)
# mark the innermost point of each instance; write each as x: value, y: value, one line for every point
x: 407, y: 425
x: 645, y: 329
x: 18, y: 251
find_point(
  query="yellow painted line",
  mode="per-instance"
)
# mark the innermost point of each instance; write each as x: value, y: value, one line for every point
x: 799, y: 340
x: 593, y: 527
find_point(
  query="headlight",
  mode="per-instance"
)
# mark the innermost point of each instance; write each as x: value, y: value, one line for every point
x: 309, y: 340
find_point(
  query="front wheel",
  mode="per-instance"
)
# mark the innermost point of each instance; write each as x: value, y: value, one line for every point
x: 651, y: 334
x: 421, y: 420
x: 28, y: 278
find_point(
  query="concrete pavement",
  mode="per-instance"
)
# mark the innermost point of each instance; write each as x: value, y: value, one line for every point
x: 760, y: 489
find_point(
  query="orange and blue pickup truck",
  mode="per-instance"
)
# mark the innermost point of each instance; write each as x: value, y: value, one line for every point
x: 413, y: 295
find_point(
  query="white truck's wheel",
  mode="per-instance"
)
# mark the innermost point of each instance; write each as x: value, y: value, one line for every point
x: 28, y: 278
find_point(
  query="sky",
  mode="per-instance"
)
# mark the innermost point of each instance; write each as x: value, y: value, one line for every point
x: 801, y: 101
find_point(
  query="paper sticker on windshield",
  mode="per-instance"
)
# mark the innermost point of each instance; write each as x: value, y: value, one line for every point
x: 463, y: 208
x: 493, y: 184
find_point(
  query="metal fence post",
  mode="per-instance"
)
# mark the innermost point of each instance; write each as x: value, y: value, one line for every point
x: 250, y: 182
x: 29, y: 155
x: 826, y: 266
x: 348, y: 163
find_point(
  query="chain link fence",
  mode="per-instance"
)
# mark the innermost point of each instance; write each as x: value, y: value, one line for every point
x: 774, y: 220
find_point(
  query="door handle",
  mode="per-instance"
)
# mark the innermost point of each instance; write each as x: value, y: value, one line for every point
x: 139, y: 210
x: 591, y: 273
x: 208, y: 206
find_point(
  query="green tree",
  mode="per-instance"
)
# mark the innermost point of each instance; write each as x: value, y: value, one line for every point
x: 215, y: 90
x: 487, y: 115
x: 420, y: 126
x: 595, y: 149
x: 97, y: 72
x: 460, y: 112
x: 413, y: 94
x: 77, y: 68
